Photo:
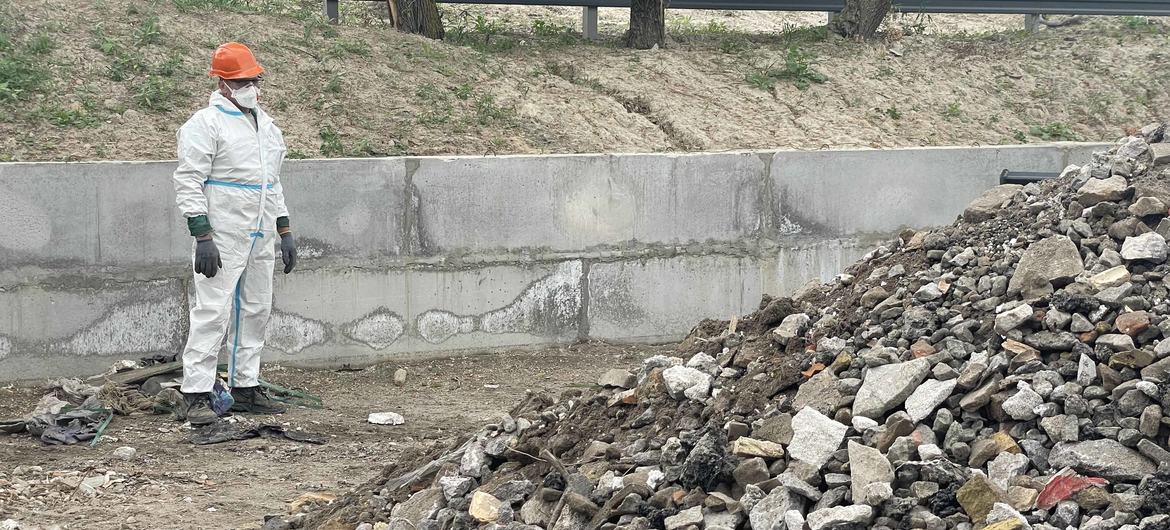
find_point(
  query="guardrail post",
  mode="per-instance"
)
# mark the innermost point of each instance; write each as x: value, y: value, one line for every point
x: 589, y: 22
x: 331, y: 11
x: 1031, y: 23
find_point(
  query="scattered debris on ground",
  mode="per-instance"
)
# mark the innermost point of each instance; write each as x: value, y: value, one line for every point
x: 1009, y: 371
x: 169, y: 481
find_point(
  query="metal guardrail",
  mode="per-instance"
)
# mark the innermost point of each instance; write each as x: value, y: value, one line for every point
x: 983, y: 7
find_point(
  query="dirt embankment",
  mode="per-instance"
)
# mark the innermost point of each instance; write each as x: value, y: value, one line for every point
x: 114, y: 79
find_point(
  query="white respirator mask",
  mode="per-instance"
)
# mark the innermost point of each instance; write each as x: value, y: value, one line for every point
x: 247, y: 97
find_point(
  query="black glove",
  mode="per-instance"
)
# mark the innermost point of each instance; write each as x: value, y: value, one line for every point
x: 207, y: 260
x: 288, y: 251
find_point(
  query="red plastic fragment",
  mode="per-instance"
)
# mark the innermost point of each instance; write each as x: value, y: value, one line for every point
x: 1063, y: 485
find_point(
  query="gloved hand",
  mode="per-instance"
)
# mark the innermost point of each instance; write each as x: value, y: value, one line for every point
x: 207, y: 260
x: 288, y: 251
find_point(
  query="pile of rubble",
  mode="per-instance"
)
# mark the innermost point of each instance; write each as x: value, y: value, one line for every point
x: 1009, y: 371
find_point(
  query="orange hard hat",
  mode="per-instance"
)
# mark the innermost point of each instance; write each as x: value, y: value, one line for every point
x: 233, y: 60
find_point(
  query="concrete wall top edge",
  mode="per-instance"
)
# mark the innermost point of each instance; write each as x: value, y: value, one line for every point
x: 582, y: 155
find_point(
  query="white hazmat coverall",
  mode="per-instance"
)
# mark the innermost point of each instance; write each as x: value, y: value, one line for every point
x: 229, y: 170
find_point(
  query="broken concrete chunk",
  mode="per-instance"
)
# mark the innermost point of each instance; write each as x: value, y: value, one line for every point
x: 1012, y: 318
x: 1095, y: 191
x: 1055, y: 259
x: 685, y: 518
x: 840, y: 517
x: 989, y: 203
x: 1103, y: 458
x: 1110, y: 277
x: 617, y: 378
x: 886, y: 387
x: 1149, y: 247
x: 750, y: 447
x: 928, y: 396
x: 1005, y: 467
x: 867, y: 466
x: 815, y: 437
x: 684, y: 382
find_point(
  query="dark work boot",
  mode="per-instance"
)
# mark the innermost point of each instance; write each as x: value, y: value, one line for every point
x: 197, y: 409
x: 255, y: 400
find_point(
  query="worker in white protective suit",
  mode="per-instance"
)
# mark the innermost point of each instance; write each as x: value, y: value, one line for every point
x: 228, y: 187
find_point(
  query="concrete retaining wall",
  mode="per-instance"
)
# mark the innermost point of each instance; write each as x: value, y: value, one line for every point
x: 407, y: 257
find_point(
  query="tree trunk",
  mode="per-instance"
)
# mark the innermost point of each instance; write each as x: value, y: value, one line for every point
x: 420, y: 17
x: 647, y: 24
x: 861, y: 18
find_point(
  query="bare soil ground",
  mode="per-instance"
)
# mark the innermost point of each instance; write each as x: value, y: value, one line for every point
x: 113, y: 79
x: 174, y: 484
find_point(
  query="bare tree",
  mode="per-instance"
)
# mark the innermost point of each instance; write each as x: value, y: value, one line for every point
x: 647, y: 24
x: 417, y: 16
x: 860, y: 18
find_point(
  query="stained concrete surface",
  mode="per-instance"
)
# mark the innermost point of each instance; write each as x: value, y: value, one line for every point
x: 415, y: 257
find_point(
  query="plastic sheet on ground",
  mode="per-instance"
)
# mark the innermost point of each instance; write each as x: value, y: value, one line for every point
x: 222, y: 431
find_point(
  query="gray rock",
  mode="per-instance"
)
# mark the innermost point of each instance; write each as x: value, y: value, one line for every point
x: 1105, y: 458
x: 930, y: 452
x: 1005, y: 467
x: 1061, y: 428
x: 1102, y: 190
x: 867, y: 467
x: 1154, y: 452
x: 1147, y: 206
x: 617, y: 378
x: 1080, y: 324
x: 706, y: 363
x: 791, y: 327
x: 455, y: 487
x: 1159, y: 372
x: 1012, y: 318
x: 1022, y: 405
x: 1151, y: 421
x: 751, y: 471
x: 724, y: 520
x: 1050, y: 341
x: 1048, y: 260
x: 1149, y: 246
x: 944, y: 372
x: 798, y: 486
x: 684, y: 382
x: 776, y: 428
x: 1057, y: 320
x: 924, y: 490
x: 419, y: 507
x: 474, y: 461
x: 815, y: 437
x: 685, y: 518
x: 989, y: 203
x: 769, y: 511
x: 1067, y: 513
x: 1086, y: 370
x: 125, y: 453
x: 794, y: 520
x: 839, y: 517
x: 1115, y: 296
x: 1116, y: 341
x: 886, y: 387
x: 928, y: 396
x: 1003, y: 512
x: 752, y: 495
x: 821, y: 392
x: 928, y: 293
